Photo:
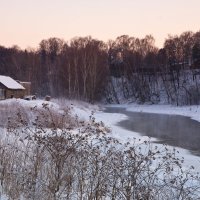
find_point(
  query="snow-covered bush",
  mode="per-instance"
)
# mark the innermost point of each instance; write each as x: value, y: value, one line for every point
x: 9, y: 109
x: 84, y: 162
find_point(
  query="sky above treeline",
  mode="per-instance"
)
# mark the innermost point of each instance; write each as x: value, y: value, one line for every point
x: 26, y: 22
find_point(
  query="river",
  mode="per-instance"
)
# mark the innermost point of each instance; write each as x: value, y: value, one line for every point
x: 175, y: 130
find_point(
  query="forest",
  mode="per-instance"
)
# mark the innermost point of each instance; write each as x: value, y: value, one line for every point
x: 127, y: 68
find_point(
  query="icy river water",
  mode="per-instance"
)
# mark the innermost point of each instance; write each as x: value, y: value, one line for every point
x: 173, y: 130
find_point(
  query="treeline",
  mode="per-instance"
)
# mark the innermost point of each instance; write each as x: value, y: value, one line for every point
x: 148, y: 74
x: 78, y: 69
x: 83, y: 67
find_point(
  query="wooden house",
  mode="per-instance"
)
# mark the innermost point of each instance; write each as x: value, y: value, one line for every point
x: 9, y: 88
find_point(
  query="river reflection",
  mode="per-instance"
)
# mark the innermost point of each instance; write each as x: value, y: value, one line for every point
x: 174, y: 130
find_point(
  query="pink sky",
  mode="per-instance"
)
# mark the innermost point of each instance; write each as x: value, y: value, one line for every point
x: 26, y: 22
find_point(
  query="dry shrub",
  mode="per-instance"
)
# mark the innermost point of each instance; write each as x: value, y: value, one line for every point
x: 10, y: 110
x: 63, y: 103
x: 45, y: 116
x: 50, y: 117
x: 85, y: 163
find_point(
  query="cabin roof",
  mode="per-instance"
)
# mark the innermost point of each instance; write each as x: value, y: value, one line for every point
x: 10, y: 83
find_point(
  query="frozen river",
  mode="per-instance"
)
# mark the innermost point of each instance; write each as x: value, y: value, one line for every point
x: 175, y: 130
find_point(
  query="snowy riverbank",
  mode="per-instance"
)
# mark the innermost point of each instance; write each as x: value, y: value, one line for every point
x: 152, y: 154
x: 83, y: 111
x: 189, y: 111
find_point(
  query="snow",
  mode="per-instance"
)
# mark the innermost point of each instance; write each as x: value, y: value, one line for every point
x: 79, y: 108
x: 10, y: 83
x: 83, y: 111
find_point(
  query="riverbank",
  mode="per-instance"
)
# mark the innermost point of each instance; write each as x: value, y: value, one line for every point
x: 83, y: 111
x: 189, y: 111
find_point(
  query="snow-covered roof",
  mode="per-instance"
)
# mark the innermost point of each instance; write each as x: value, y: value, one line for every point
x: 10, y: 83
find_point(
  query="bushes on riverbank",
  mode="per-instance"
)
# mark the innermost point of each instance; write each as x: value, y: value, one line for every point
x: 67, y: 158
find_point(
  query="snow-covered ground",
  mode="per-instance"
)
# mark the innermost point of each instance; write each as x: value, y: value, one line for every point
x: 83, y: 111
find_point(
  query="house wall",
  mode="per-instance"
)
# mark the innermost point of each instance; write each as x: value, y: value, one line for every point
x: 14, y: 93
